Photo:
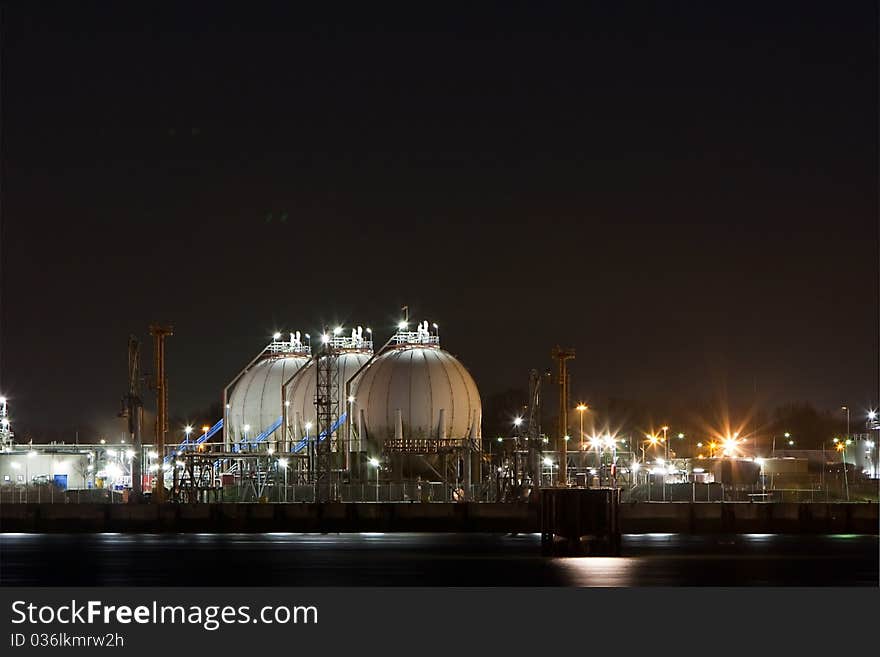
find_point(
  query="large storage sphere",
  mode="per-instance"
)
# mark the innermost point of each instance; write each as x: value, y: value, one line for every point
x: 255, y: 401
x: 302, y: 390
x: 423, y: 383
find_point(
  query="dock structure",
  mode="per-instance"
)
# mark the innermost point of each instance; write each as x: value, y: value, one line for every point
x: 580, y: 521
x: 568, y: 517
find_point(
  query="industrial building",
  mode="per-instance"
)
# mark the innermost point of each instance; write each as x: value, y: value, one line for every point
x: 336, y: 419
x: 328, y: 417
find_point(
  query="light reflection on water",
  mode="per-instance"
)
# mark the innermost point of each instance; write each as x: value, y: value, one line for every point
x: 389, y: 559
x: 598, y: 571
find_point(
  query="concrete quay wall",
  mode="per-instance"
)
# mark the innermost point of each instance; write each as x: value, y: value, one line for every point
x: 635, y: 518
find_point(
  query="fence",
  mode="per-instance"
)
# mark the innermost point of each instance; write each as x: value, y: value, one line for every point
x: 37, y: 494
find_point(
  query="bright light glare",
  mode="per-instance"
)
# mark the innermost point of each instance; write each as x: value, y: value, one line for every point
x: 276, y: 335
x: 517, y: 421
x: 308, y: 425
x: 374, y: 462
x: 401, y: 325
x: 547, y: 461
x: 337, y: 330
x: 351, y: 399
x: 282, y: 463
x: 635, y: 466
x: 325, y: 338
x: 872, y: 415
x: 188, y: 429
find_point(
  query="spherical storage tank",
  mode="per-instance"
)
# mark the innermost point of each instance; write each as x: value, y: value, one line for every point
x: 414, y: 386
x: 255, y: 401
x: 301, y: 392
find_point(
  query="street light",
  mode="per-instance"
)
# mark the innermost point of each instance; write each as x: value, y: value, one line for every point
x: 282, y: 462
x: 841, y: 447
x: 846, y: 408
x: 580, y: 409
x: 375, y: 463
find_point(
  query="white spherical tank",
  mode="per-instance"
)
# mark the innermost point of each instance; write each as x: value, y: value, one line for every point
x: 410, y: 389
x: 255, y: 402
x: 301, y: 392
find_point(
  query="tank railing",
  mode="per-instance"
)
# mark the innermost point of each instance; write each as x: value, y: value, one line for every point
x: 348, y: 342
x: 416, y: 337
x: 288, y: 347
x: 425, y: 445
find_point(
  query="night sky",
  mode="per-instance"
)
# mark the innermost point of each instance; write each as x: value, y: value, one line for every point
x: 686, y: 193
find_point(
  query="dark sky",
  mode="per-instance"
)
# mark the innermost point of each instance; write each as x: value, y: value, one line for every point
x: 684, y: 192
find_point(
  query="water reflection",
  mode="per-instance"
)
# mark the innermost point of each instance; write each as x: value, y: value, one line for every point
x: 383, y: 559
x: 598, y: 571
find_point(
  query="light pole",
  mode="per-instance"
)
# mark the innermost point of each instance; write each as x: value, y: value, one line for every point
x: 580, y: 409
x: 666, y: 441
x: 846, y: 408
x: 309, y: 449
x: 375, y: 463
x: 841, y: 447
x: 283, y: 464
x: 549, y: 464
